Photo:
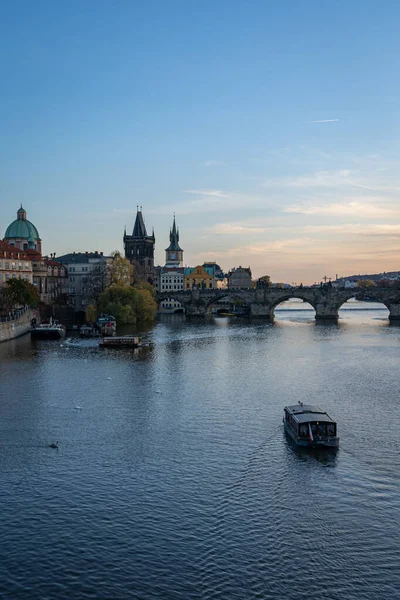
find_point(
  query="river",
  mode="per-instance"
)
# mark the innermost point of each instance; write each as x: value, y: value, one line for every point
x: 174, y: 479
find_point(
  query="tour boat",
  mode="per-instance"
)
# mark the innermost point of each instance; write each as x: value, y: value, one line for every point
x: 48, y: 331
x: 310, y: 426
x: 127, y: 341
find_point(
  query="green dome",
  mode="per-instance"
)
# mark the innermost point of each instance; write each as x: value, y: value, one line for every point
x: 21, y: 228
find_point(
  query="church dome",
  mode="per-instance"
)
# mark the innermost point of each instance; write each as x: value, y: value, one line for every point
x: 21, y: 228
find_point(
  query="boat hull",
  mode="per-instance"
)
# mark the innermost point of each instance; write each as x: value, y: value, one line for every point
x: 315, y: 443
x: 38, y: 334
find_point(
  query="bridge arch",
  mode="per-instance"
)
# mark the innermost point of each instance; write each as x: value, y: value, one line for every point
x: 166, y: 299
x: 289, y: 296
x: 232, y: 297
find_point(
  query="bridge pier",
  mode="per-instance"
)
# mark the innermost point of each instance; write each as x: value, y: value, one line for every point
x: 326, y: 311
x: 260, y: 311
x: 394, y: 313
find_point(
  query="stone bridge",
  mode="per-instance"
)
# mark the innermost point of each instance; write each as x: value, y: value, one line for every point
x: 325, y: 300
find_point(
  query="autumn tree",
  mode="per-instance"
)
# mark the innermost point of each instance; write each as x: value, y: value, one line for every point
x: 128, y: 304
x: 264, y: 282
x: 121, y: 270
x: 17, y: 292
x: 365, y: 283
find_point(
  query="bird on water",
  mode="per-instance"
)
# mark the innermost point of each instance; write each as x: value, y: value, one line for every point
x: 53, y: 445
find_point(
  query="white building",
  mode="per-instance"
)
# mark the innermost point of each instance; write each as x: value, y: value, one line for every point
x: 80, y: 266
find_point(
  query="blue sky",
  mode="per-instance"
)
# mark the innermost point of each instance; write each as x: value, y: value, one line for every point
x: 271, y: 129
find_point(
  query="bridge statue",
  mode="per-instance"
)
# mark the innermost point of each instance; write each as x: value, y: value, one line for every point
x: 326, y: 300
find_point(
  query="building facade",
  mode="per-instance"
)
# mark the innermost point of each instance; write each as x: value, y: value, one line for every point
x: 139, y: 249
x: 239, y: 277
x: 57, y: 281
x: 198, y: 277
x: 86, y: 270
x: 14, y: 264
x: 23, y: 234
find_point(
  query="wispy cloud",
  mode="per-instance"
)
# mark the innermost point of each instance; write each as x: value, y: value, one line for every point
x: 320, y: 179
x: 324, y: 121
x: 214, y: 193
x: 235, y: 229
x: 214, y: 163
x: 358, y: 209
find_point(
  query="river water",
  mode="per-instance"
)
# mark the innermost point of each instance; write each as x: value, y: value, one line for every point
x: 174, y: 479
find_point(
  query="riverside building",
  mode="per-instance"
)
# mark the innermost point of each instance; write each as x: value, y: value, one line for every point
x: 14, y: 264
x: 81, y: 268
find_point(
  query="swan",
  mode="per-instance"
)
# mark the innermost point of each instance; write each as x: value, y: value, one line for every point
x: 53, y: 445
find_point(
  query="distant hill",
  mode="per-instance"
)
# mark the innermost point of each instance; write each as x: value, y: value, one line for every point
x: 372, y: 277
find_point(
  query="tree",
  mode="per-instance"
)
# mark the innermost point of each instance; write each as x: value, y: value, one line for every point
x: 264, y: 282
x: 91, y: 313
x: 121, y: 270
x: 17, y: 292
x: 365, y: 283
x: 127, y: 304
x: 98, y: 280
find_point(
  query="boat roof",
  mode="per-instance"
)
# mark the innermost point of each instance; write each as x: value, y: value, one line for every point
x: 304, y: 413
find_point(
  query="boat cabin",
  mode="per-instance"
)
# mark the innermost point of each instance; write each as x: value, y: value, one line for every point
x: 310, y: 425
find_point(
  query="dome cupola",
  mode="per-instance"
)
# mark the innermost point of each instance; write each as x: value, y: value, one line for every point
x: 23, y: 234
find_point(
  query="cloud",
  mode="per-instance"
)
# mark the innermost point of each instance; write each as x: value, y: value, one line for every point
x: 235, y: 228
x: 214, y: 163
x: 321, y: 179
x: 358, y: 209
x: 214, y: 193
x: 324, y: 121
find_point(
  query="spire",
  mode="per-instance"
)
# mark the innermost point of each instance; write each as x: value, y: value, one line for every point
x: 174, y: 237
x: 139, y: 229
x: 173, y: 234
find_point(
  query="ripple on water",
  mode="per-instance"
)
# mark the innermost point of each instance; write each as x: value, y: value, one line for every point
x: 195, y: 492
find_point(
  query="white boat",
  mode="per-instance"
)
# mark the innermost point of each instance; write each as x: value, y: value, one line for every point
x: 310, y: 426
x: 48, y: 331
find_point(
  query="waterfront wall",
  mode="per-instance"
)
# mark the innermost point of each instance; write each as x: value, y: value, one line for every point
x: 16, y: 324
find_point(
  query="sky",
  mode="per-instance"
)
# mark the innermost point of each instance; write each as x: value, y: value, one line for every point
x: 270, y: 128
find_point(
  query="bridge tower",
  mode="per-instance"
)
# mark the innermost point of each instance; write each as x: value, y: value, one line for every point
x: 139, y: 249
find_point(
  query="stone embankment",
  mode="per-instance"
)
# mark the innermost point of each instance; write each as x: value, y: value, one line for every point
x: 16, y: 324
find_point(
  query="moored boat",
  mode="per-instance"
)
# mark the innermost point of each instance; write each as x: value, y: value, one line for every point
x: 310, y: 426
x: 48, y: 331
x: 107, y: 325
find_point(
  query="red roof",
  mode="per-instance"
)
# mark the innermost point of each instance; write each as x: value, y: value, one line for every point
x: 33, y: 254
x: 12, y: 251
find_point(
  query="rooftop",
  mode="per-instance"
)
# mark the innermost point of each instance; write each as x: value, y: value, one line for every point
x: 80, y: 257
x: 305, y: 413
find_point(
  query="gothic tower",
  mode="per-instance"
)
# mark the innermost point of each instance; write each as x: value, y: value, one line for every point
x: 139, y: 249
x: 174, y: 253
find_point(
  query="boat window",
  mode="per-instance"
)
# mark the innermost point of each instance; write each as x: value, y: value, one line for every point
x: 321, y: 429
x: 303, y: 430
x: 331, y: 429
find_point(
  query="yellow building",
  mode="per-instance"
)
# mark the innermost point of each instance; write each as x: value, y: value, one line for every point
x: 198, y: 277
